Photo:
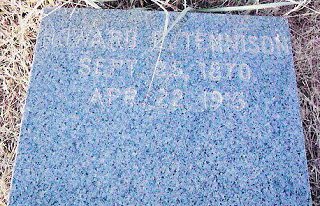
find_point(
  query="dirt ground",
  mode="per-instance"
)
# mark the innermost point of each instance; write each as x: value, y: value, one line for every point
x: 19, y: 21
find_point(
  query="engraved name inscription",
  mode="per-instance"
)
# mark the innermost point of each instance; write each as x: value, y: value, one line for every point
x: 198, y: 41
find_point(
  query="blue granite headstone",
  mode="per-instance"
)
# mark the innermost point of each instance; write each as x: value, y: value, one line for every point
x: 212, y: 120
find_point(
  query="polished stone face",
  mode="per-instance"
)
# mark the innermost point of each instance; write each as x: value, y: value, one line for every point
x: 212, y: 118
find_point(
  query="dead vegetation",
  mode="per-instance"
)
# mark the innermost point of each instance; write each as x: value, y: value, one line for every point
x: 19, y: 21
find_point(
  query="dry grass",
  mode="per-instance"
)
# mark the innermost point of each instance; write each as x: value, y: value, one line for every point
x: 19, y: 22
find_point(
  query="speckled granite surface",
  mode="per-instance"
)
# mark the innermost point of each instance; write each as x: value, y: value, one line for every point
x: 214, y: 122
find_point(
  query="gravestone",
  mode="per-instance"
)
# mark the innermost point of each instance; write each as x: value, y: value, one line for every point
x: 119, y: 114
